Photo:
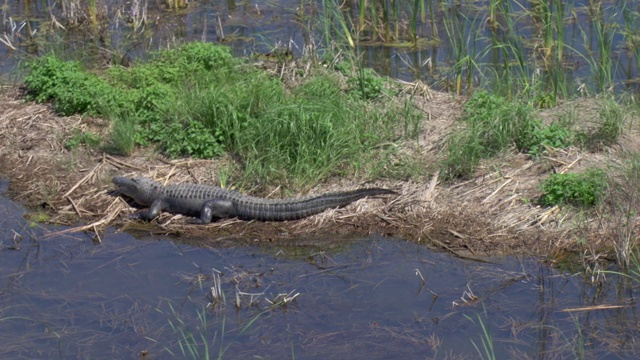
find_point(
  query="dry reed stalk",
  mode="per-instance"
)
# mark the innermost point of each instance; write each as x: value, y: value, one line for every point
x: 594, y: 307
x: 429, y: 195
x: 112, y: 212
x: 89, y: 175
x: 571, y: 165
x: 496, y: 191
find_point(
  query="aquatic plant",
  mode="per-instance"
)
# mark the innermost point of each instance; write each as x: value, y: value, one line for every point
x: 462, y: 38
x: 598, y: 50
x: 373, y: 21
x: 487, y: 352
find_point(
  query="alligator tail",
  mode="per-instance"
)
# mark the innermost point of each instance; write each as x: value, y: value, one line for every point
x: 292, y: 209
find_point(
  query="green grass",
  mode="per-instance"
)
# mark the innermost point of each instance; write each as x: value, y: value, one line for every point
x: 609, y: 125
x: 197, y: 100
x: 80, y: 138
x: 491, y: 124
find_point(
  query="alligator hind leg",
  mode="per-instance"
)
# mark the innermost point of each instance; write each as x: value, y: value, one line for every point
x: 214, y: 209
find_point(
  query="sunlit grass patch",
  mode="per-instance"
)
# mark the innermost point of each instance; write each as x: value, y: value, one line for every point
x: 608, y: 127
x: 490, y: 125
x: 197, y: 100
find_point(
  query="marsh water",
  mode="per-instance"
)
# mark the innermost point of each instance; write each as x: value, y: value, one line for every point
x: 126, y: 296
x: 571, y: 47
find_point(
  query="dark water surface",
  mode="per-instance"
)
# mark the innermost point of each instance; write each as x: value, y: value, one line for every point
x: 66, y: 296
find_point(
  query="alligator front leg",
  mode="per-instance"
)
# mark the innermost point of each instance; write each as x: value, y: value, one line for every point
x: 153, y: 212
x: 214, y: 208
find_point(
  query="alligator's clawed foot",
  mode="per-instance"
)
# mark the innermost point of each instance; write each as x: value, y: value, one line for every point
x: 196, y: 221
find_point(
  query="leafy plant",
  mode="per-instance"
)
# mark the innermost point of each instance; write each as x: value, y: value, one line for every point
x: 71, y: 89
x: 367, y: 84
x: 584, y: 189
x: 544, y: 100
x: 82, y: 138
x: 541, y: 137
x: 193, y: 139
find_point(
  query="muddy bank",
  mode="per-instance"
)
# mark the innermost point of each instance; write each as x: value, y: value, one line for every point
x: 494, y: 213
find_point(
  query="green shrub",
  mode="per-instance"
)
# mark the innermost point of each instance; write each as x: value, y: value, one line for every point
x: 199, y: 56
x: 71, y: 89
x: 555, y: 135
x: 367, y: 84
x: 192, y: 139
x: 585, y: 189
x: 544, y: 100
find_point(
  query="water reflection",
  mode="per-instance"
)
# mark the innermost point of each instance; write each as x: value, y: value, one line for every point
x: 66, y: 296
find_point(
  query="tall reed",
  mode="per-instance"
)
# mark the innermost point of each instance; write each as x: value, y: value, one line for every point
x: 631, y: 33
x: 333, y: 21
x: 553, y: 28
x: 462, y: 35
x: 93, y: 12
x: 598, y: 42
x: 386, y: 21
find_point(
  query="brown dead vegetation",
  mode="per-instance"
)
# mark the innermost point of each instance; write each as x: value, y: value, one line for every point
x: 490, y: 214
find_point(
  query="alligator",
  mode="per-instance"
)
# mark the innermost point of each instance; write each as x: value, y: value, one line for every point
x: 206, y: 203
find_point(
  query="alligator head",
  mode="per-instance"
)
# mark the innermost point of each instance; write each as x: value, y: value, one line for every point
x: 143, y: 191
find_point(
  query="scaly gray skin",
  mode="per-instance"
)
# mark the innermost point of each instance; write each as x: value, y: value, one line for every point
x: 207, y: 202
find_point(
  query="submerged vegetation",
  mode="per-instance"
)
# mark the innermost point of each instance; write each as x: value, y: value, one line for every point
x: 543, y: 50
